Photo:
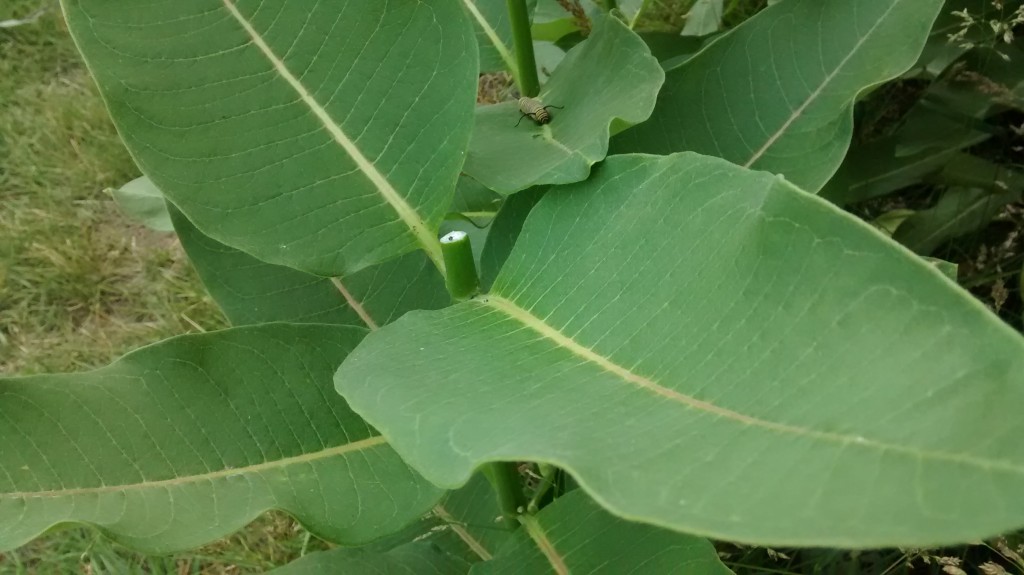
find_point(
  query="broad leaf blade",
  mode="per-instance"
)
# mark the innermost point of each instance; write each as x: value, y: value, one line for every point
x: 326, y: 137
x: 418, y: 557
x: 506, y: 157
x: 251, y: 291
x: 777, y: 92
x: 574, y: 535
x: 185, y: 441
x: 735, y: 358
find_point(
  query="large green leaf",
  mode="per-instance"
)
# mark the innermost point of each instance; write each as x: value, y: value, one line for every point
x: 415, y: 558
x: 185, y: 441
x: 323, y: 136
x: 251, y: 291
x: 506, y: 157
x: 710, y: 349
x: 777, y: 92
x: 574, y: 535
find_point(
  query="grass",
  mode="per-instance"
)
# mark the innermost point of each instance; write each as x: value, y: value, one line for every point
x: 81, y: 284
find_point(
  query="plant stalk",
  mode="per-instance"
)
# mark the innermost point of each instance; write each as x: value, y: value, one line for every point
x: 460, y: 278
x: 522, y: 41
x: 509, y: 487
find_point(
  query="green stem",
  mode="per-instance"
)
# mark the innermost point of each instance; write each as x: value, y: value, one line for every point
x: 522, y: 40
x: 460, y: 278
x: 611, y: 5
x: 509, y: 487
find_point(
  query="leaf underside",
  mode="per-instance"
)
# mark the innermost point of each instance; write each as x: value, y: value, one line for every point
x: 323, y: 136
x: 759, y: 366
x: 185, y: 441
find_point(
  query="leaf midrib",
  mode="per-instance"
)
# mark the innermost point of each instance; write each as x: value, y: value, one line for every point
x: 540, y: 539
x: 405, y: 212
x: 360, y: 445
x: 492, y: 35
x: 796, y: 114
x: 538, y: 325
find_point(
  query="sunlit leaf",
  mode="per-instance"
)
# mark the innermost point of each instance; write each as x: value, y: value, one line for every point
x: 710, y: 349
x: 323, y: 136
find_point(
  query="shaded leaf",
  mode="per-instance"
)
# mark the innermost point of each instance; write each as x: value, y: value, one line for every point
x: 140, y: 200
x: 251, y: 291
x: 952, y: 111
x: 474, y: 200
x: 948, y: 269
x: 736, y: 358
x: 507, y: 158
x: 777, y: 92
x: 671, y: 50
x: 185, y: 441
x: 705, y: 17
x: 505, y: 231
x: 284, y: 131
x: 874, y: 169
x: 494, y: 33
x: 959, y: 211
x: 574, y: 535
x: 411, y: 558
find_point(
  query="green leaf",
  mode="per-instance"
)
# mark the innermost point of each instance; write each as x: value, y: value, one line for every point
x: 411, y: 558
x: 474, y: 200
x: 958, y: 212
x: 777, y: 92
x: 736, y: 358
x: 505, y: 231
x: 471, y: 519
x: 142, y: 201
x: 574, y: 535
x: 952, y: 111
x: 322, y: 136
x: 874, y: 169
x: 494, y: 33
x: 671, y: 50
x: 185, y: 441
x: 705, y: 18
x: 507, y: 158
x: 251, y: 291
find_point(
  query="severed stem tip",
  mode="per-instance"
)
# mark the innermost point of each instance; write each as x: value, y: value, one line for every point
x: 461, y: 277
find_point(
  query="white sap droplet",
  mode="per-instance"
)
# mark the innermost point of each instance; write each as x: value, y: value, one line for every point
x: 452, y: 237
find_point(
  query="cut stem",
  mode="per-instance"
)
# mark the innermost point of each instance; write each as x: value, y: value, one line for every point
x: 460, y: 269
x: 522, y: 41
